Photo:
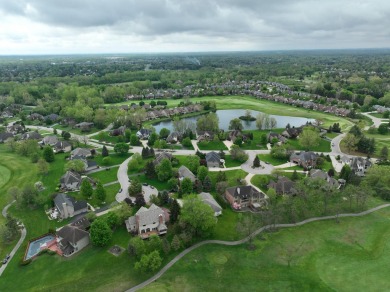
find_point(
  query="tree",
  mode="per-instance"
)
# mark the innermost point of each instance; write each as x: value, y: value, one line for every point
x: 176, y: 243
x: 150, y: 171
x: 43, y: 166
x: 164, y: 133
x: 66, y: 135
x: 209, y: 122
x: 100, y: 232
x: 133, y: 164
x: 48, y: 154
x: 136, y: 247
x: 350, y: 142
x: 246, y: 225
x: 346, y: 172
x: 140, y: 200
x: 221, y: 176
x: 238, y: 154
x: 198, y: 216
x: 150, y: 262
x: 75, y: 165
x: 384, y: 154
x: 154, y: 244
x: 175, y: 211
x: 86, y: 189
x: 207, y: 184
x: 186, y: 142
x: 383, y: 129
x: 164, y: 170
x: 153, y: 137
x: 236, y: 124
x: 172, y: 184
x: 186, y: 186
x: 104, y: 151
x: 256, y: 162
x: 135, y: 188
x: 221, y: 187
x: 100, y: 192
x: 202, y: 173
x: 121, y: 148
x: 134, y: 141
x: 309, y: 138
x: 294, y: 176
x: 193, y: 162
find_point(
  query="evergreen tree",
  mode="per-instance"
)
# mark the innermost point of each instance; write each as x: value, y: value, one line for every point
x: 140, y: 200
x: 104, y: 151
x: 100, y: 192
x: 86, y: 189
x: 256, y: 162
x: 135, y: 188
x: 221, y: 176
x: 48, y: 154
x: 175, y: 211
x: 294, y: 176
x: 207, y: 184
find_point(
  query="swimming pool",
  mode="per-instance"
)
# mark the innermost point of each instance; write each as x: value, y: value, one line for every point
x: 37, y: 245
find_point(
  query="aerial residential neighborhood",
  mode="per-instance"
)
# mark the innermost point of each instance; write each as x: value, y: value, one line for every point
x: 194, y: 146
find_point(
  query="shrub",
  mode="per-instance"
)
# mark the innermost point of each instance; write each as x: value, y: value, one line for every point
x: 25, y: 262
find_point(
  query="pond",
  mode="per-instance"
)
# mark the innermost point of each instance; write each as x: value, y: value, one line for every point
x: 225, y: 116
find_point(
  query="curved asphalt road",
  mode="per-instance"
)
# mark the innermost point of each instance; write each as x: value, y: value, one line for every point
x: 231, y: 243
x: 22, y: 237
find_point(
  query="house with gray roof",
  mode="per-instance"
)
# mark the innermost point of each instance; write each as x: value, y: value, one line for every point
x: 68, y: 207
x: 49, y: 140
x: 62, y: 146
x: 213, y: 159
x: 70, y: 181
x: 147, y: 222
x: 5, y: 136
x: 88, y: 163
x: 184, y: 172
x: 208, y: 199
x: 31, y: 136
x: 81, y: 152
x: 72, y: 239
x: 306, y: 159
x: 244, y: 196
x: 161, y: 156
x: 282, y: 186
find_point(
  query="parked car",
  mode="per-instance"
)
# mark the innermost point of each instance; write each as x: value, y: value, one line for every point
x: 120, y: 190
x: 145, y: 184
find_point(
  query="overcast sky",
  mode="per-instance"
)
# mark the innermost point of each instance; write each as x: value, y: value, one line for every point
x: 126, y: 26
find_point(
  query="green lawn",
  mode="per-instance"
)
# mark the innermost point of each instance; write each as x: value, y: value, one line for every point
x: 105, y: 137
x: 232, y: 176
x: 274, y: 161
x: 106, y: 176
x: 332, y: 135
x: 212, y: 145
x: 229, y: 162
x: 115, y: 158
x: 324, y: 145
x: 76, y: 130
x: 256, y: 144
x: 351, y: 256
x: 159, y: 185
x: 377, y: 115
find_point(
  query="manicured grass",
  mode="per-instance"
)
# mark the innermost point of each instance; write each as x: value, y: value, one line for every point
x: 140, y: 167
x: 105, y: 176
x: 324, y: 145
x: 274, y: 161
x: 332, y: 135
x: 350, y: 256
x: 226, y: 226
x: 212, y: 145
x: 52, y: 179
x: 114, y: 157
x: 233, y: 176
x: 111, y: 192
x: 159, y: 185
x: 105, y: 137
x: 229, y: 162
x: 5, y: 175
x: 377, y: 115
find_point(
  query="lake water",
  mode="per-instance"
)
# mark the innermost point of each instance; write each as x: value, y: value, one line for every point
x: 225, y: 116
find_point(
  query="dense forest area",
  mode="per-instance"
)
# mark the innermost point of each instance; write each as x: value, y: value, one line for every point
x: 360, y: 77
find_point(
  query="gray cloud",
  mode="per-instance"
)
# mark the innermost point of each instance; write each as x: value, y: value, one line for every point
x: 257, y: 23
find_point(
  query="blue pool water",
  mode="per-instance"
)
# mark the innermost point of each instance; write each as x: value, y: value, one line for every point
x: 35, y: 246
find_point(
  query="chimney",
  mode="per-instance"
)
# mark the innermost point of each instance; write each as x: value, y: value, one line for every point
x: 137, y: 221
x: 65, y: 208
x: 161, y: 219
x: 238, y: 190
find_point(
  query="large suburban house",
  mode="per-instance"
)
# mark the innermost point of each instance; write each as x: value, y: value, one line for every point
x: 143, y: 134
x: 68, y: 207
x: 208, y: 199
x: 292, y: 132
x: 49, y: 140
x: 358, y: 165
x: 244, y: 196
x: 70, y: 181
x: 205, y: 136
x: 213, y: 159
x: 62, y: 146
x: 318, y: 173
x: 174, y: 137
x: 72, y: 239
x: 184, y: 172
x: 161, y: 156
x: 282, y: 186
x: 147, y: 222
x: 88, y: 164
x: 306, y: 159
x: 31, y: 136
x: 4, y: 136
x: 83, y: 152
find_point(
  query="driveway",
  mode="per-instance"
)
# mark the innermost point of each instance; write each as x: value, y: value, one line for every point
x: 123, y: 180
x: 263, y: 169
x: 377, y: 121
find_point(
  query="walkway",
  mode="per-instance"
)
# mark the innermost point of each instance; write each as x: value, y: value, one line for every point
x: 238, y: 242
x: 23, y: 234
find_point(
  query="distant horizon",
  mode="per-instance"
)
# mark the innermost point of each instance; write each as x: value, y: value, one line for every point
x: 192, y: 52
